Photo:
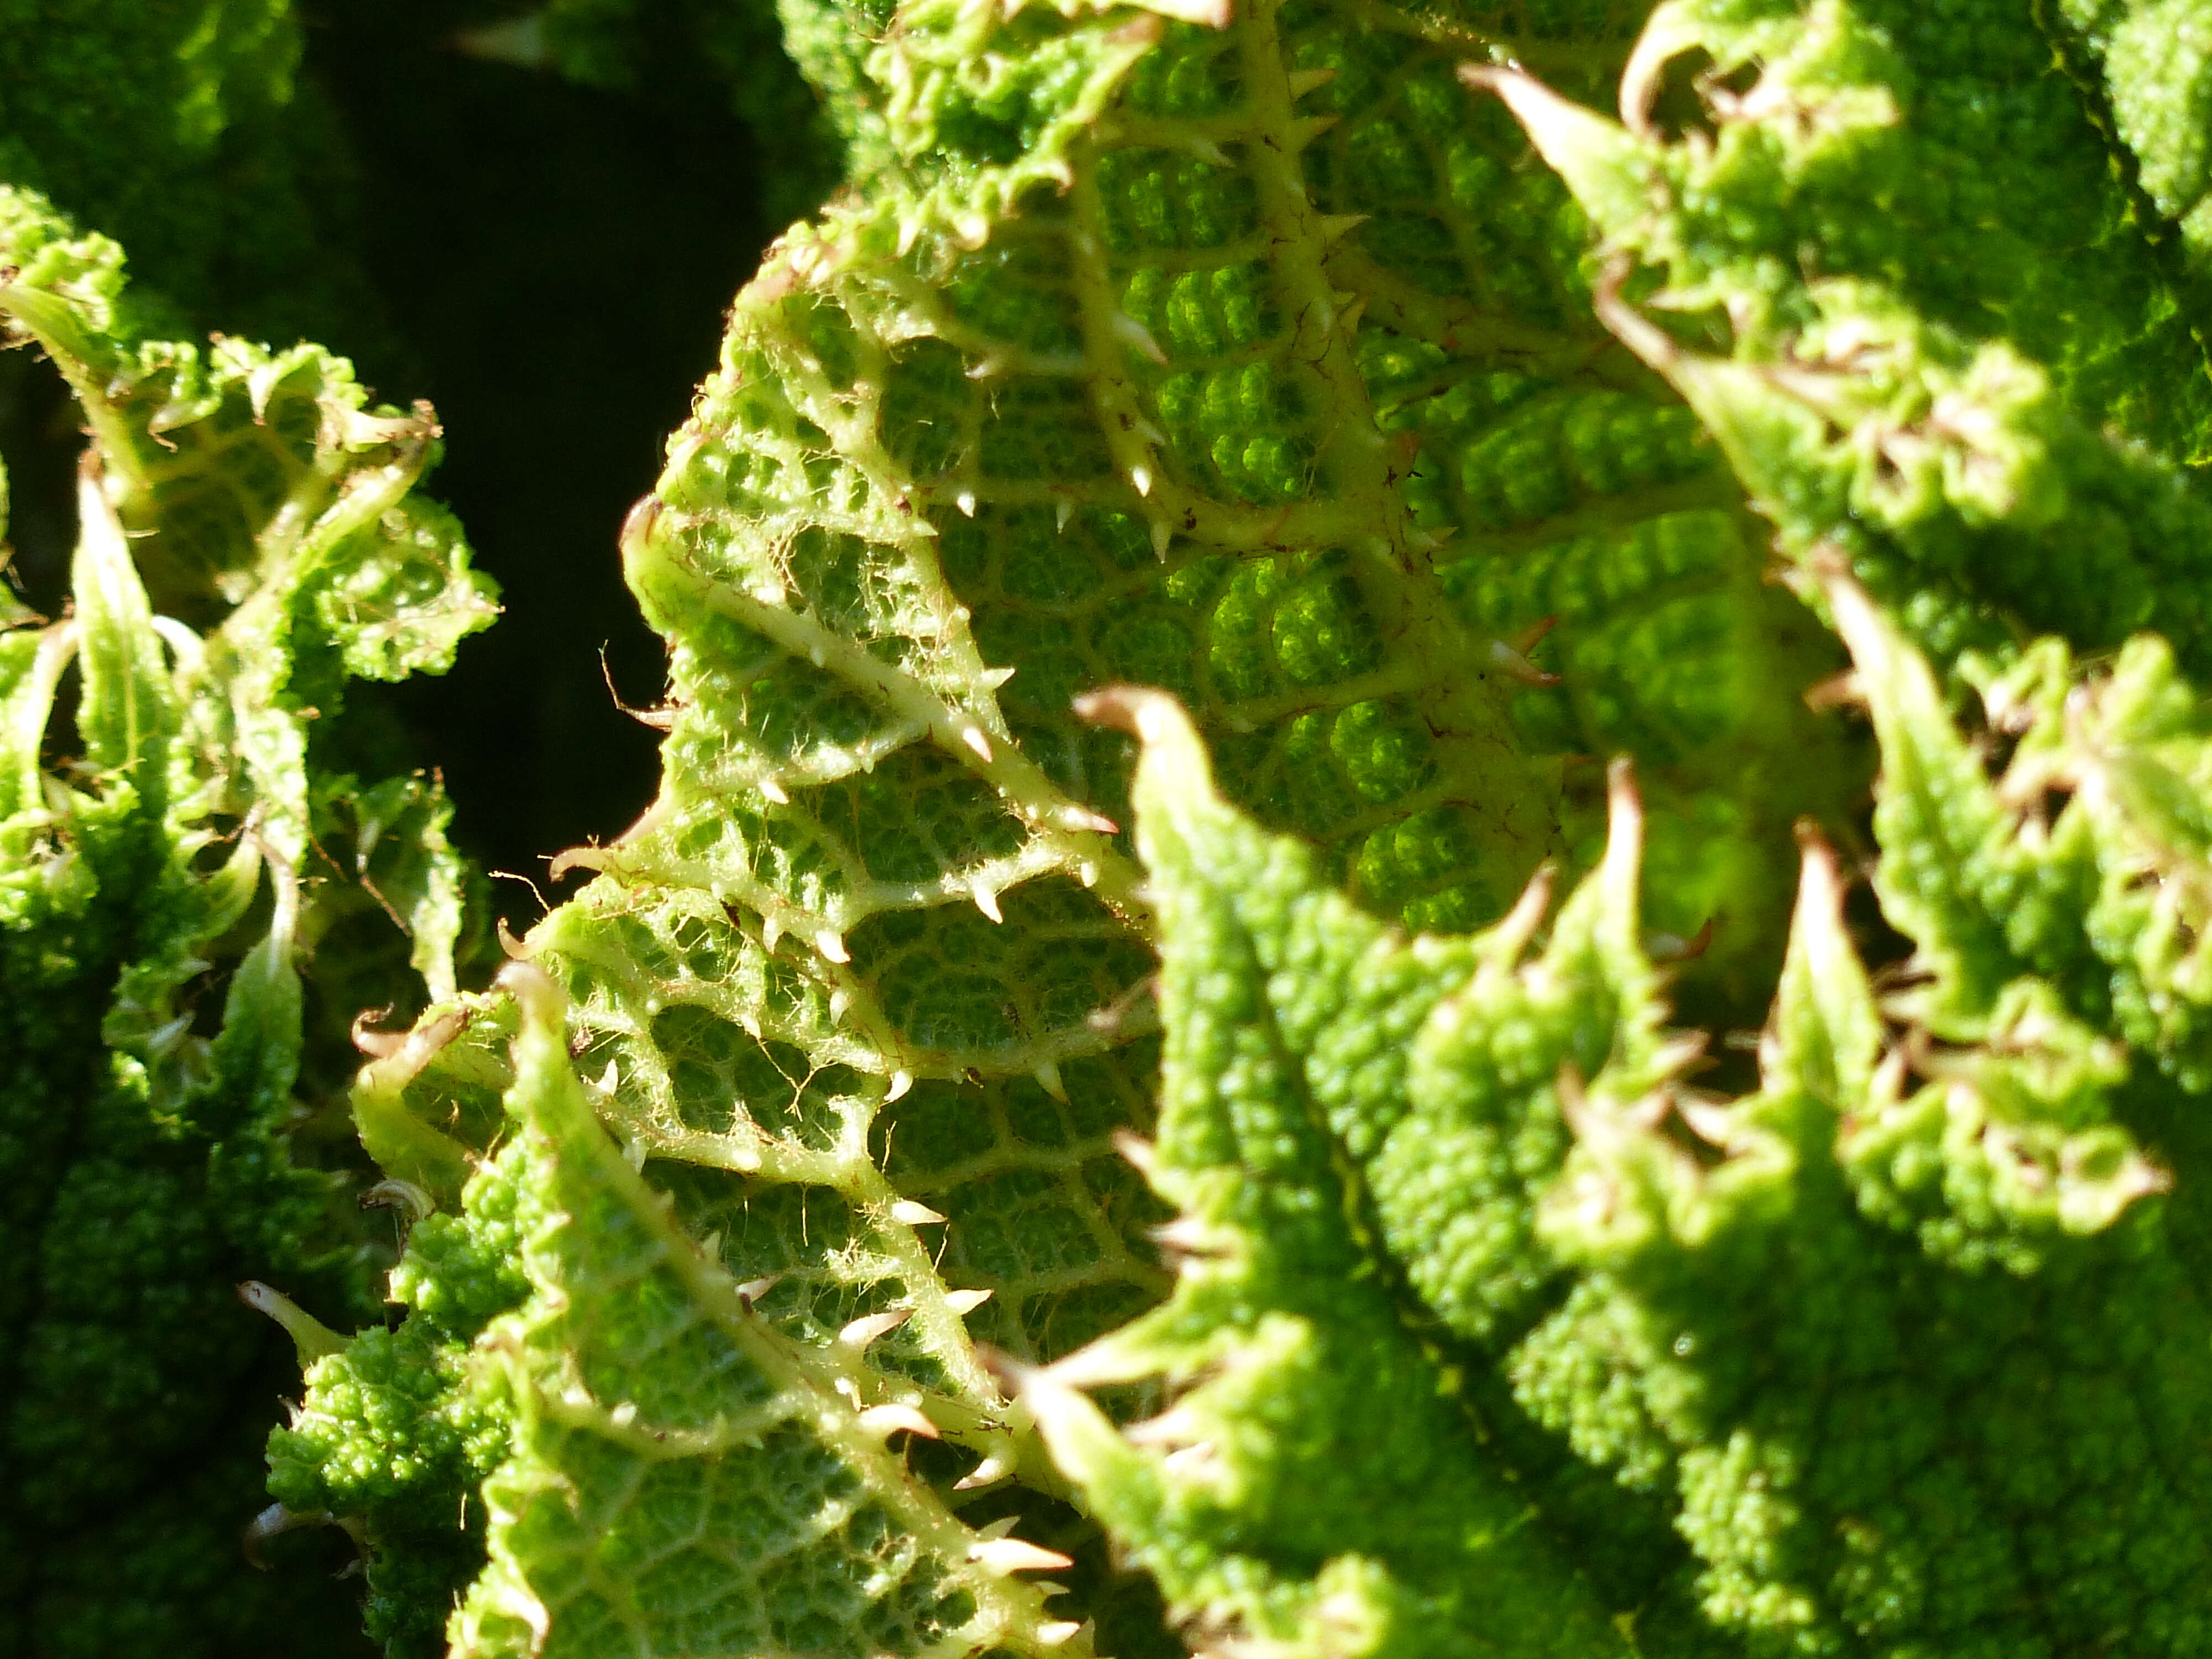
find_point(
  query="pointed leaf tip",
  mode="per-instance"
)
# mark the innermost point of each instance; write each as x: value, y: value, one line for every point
x: 1610, y: 173
x: 310, y: 1336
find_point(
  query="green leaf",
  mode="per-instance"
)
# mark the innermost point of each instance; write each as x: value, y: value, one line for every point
x: 659, y: 1420
x: 128, y: 714
x: 1241, y: 354
x: 1835, y: 1343
x: 157, y: 912
x: 185, y: 130
x: 1350, y: 1123
x: 2150, y: 62
x: 1916, y: 308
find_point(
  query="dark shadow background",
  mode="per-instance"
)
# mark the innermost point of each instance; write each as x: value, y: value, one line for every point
x: 555, y: 262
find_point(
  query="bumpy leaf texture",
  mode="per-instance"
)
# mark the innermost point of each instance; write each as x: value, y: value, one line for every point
x: 1895, y: 1355
x: 1909, y: 294
x: 1899, y: 1353
x: 175, y: 849
x: 1248, y: 353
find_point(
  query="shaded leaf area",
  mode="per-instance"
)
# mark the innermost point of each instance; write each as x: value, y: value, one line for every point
x: 2148, y: 72
x: 1493, y: 1329
x: 733, y: 55
x: 181, y: 841
x: 183, y: 129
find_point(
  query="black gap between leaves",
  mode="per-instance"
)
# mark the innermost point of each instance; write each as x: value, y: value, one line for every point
x: 557, y: 262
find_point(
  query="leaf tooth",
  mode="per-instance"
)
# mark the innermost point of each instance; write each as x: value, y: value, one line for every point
x: 754, y: 1289
x: 309, y: 1334
x: 1845, y: 689
x: 963, y: 1303
x: 1163, y: 533
x: 1141, y: 476
x: 972, y: 736
x: 1138, y: 1153
x: 885, y: 1421
x: 1048, y: 1079
x: 831, y: 945
x: 1060, y: 1631
x: 1132, y: 334
x: 914, y: 1215
x: 377, y: 1045
x: 1335, y: 227
x: 771, y: 934
x: 1710, y: 1122
x: 1076, y: 817
x: 988, y: 1472
x: 1187, y: 1460
x: 1100, y: 1364
x: 520, y: 43
x: 992, y: 679
x: 1303, y: 132
x: 394, y: 1193
x: 965, y: 501
x: 870, y: 1327
x: 1303, y: 82
x: 1517, y: 666
x: 1012, y: 1555
x: 902, y: 1080
x: 775, y: 792
x: 1187, y: 1236
x: 986, y: 901
x: 1208, y: 14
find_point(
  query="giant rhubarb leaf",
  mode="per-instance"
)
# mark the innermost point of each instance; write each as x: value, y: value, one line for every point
x: 1240, y: 353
